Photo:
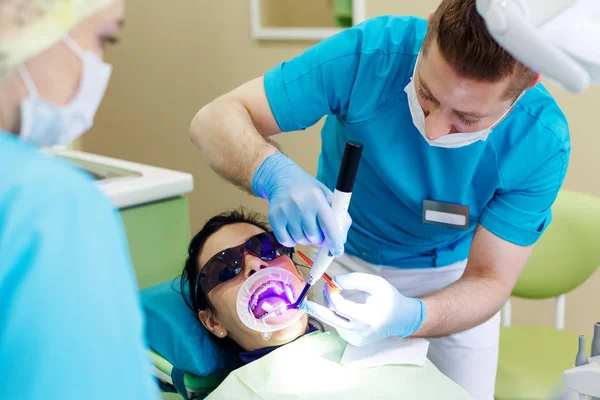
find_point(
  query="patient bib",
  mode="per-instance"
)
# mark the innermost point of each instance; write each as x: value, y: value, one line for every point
x: 310, y: 368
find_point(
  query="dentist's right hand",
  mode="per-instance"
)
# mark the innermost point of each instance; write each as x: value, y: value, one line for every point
x: 386, y: 312
x: 299, y: 205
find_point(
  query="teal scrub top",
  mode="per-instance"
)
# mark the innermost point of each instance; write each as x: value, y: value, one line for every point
x: 70, y: 320
x: 357, y: 78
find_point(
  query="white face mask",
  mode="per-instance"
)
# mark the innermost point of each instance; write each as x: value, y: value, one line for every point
x: 450, y: 141
x: 46, y: 124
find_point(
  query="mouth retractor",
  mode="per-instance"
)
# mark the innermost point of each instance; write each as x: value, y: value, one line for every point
x: 265, y: 296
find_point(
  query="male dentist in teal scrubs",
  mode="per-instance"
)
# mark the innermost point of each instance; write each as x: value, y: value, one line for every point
x: 464, y: 155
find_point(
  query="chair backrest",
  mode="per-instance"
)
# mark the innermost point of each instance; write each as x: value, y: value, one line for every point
x: 568, y: 252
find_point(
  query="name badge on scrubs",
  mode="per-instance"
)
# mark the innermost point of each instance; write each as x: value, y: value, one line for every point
x: 445, y: 214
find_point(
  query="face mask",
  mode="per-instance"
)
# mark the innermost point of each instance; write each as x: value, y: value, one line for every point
x: 46, y: 124
x: 450, y: 141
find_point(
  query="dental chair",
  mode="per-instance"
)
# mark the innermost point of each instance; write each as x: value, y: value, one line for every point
x: 533, y: 358
x: 185, y: 358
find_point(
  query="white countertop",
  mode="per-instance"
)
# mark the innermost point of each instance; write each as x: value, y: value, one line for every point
x: 130, y: 183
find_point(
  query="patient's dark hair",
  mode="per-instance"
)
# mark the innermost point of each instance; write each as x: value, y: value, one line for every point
x: 197, y: 301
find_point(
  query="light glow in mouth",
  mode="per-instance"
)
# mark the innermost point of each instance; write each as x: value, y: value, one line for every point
x: 271, y: 296
x: 263, y: 300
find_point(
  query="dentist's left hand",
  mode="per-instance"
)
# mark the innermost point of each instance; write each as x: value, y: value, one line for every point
x: 385, y: 313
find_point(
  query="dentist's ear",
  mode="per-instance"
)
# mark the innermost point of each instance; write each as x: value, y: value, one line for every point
x: 212, y: 324
x: 535, y: 81
x: 430, y: 17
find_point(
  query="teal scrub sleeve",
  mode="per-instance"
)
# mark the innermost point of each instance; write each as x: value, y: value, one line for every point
x: 316, y: 83
x: 70, y: 325
x: 520, y: 216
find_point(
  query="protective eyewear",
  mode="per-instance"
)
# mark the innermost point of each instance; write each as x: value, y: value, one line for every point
x: 227, y: 264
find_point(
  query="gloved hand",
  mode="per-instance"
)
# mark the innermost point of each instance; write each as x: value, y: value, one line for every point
x: 299, y: 205
x: 385, y: 313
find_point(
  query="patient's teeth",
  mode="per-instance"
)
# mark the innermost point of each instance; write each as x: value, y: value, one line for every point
x: 278, y: 290
x: 280, y: 309
x: 267, y: 307
x: 289, y: 294
x: 270, y: 315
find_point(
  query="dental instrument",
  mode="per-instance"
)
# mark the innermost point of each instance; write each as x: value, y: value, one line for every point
x: 581, y: 358
x: 340, y: 204
x: 326, y: 277
x: 584, y: 377
x: 596, y: 341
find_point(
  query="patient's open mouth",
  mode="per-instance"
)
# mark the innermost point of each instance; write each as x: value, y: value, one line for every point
x: 270, y: 296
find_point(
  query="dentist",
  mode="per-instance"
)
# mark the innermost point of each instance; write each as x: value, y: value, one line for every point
x: 70, y: 322
x: 464, y: 155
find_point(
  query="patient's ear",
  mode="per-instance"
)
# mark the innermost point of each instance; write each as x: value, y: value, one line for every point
x: 211, y: 323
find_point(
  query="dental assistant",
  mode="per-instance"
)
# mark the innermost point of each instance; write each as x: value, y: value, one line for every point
x: 70, y: 322
x: 464, y: 155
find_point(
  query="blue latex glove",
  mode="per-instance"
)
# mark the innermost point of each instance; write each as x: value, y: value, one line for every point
x: 385, y: 313
x: 299, y: 205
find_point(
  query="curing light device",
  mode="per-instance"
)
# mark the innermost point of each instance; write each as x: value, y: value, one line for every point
x: 340, y: 204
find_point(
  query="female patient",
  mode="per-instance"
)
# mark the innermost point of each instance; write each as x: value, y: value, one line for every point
x: 228, y: 250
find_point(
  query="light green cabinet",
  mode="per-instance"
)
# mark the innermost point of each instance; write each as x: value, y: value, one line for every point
x: 158, y: 235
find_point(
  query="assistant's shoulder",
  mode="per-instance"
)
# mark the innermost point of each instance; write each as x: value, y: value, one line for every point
x: 36, y: 182
x: 49, y: 204
x: 393, y: 34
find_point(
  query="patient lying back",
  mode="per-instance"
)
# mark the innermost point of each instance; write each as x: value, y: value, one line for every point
x: 229, y: 249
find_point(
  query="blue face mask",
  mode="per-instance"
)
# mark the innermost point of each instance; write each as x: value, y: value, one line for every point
x: 46, y: 124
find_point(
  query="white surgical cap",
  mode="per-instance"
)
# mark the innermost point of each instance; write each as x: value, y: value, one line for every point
x: 28, y: 27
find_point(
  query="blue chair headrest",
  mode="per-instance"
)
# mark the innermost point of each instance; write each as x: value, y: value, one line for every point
x: 174, y: 331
